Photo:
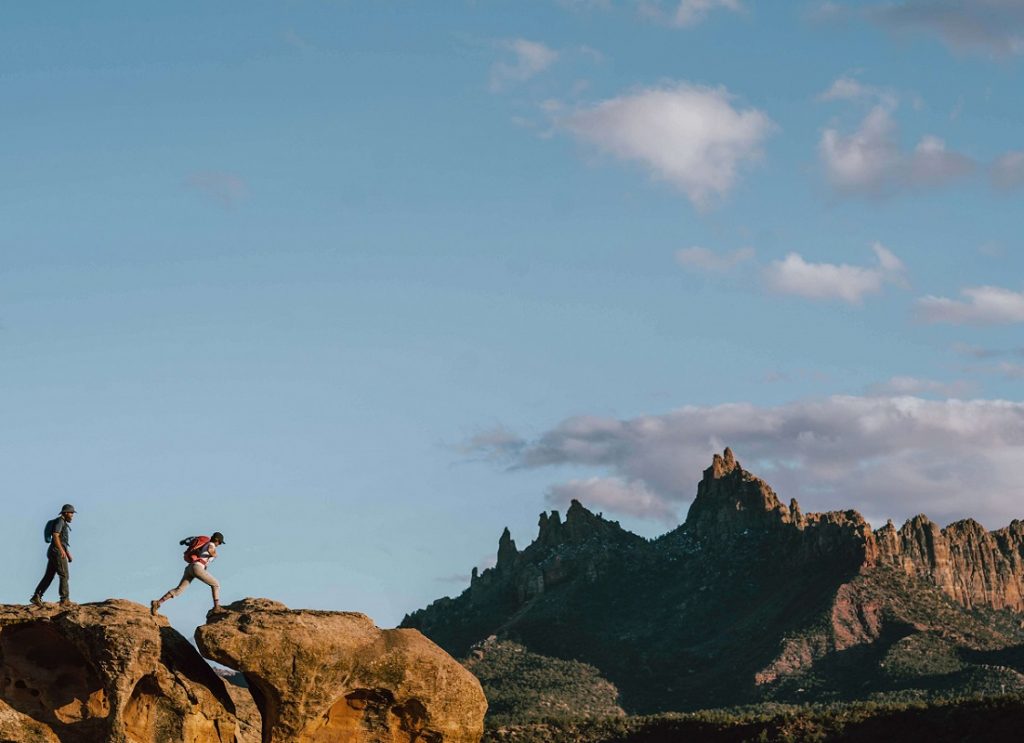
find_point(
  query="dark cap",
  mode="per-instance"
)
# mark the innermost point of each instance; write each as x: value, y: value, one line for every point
x: 218, y: 536
x: 67, y: 508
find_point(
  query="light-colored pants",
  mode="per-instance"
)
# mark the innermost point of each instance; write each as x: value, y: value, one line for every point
x: 195, y: 570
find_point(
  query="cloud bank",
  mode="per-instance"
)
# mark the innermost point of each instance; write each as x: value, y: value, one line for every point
x: 886, y: 456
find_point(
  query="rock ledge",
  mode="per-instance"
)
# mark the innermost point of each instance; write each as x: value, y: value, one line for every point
x: 320, y: 676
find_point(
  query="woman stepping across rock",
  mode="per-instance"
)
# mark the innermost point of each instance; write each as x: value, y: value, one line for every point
x: 199, y: 551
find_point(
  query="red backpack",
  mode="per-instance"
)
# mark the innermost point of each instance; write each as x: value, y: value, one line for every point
x: 195, y: 546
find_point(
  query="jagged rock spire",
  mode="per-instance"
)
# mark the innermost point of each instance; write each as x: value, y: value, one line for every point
x: 730, y: 500
x: 507, y: 551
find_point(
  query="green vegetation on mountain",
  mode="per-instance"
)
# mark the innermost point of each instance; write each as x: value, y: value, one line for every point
x: 524, y: 685
x: 973, y: 720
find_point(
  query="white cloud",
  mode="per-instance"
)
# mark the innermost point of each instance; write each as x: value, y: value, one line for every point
x: 1008, y: 171
x: 703, y: 259
x: 846, y: 89
x: 495, y: 439
x: 864, y: 160
x: 888, y: 456
x: 630, y: 498
x: 984, y: 305
x: 850, y: 89
x: 530, y: 58
x: 688, y: 135
x: 227, y: 189
x: 870, y: 161
x: 794, y: 275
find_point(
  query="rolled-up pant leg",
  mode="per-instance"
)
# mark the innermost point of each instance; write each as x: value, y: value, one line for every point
x: 201, y: 573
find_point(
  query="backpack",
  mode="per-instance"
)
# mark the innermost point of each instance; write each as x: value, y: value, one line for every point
x: 50, y: 528
x: 195, y: 545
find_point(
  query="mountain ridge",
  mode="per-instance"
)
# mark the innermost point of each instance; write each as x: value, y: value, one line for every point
x: 747, y: 600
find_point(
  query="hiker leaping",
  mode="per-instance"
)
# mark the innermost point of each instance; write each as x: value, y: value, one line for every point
x: 198, y: 553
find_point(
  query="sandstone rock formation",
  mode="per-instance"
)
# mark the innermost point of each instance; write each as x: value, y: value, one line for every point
x: 325, y: 677
x: 974, y: 566
x: 105, y: 672
x: 732, y: 502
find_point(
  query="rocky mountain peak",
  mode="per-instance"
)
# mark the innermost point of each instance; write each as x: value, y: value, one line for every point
x: 722, y: 465
x: 730, y: 500
x: 580, y: 525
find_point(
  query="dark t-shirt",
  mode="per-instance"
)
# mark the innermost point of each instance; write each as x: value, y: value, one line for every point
x: 63, y: 529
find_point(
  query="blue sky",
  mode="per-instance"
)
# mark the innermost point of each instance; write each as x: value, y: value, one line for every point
x: 359, y: 284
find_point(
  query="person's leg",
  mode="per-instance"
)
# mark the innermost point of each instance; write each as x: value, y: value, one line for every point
x: 51, y: 571
x: 62, y: 571
x: 202, y: 574
x: 186, y: 578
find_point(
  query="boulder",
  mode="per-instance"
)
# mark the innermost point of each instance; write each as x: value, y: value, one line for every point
x: 105, y: 672
x: 325, y: 677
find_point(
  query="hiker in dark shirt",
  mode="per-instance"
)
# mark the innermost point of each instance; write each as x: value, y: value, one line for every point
x: 58, y: 555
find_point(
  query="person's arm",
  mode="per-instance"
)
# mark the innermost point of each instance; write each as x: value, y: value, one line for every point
x: 212, y: 551
x: 60, y: 546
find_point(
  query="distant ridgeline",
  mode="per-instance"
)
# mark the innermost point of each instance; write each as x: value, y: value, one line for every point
x: 750, y: 600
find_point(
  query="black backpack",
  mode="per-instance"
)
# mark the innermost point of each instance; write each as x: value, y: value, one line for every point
x: 50, y: 528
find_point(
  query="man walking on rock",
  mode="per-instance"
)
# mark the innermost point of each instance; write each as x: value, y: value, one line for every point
x: 198, y: 554
x: 58, y: 555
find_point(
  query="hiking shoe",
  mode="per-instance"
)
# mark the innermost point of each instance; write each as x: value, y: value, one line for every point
x: 36, y: 600
x: 154, y: 607
x: 67, y: 603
